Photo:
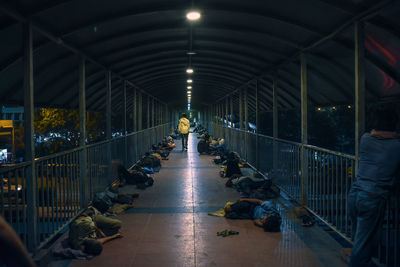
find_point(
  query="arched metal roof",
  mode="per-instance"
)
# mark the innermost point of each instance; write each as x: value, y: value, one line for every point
x: 146, y: 42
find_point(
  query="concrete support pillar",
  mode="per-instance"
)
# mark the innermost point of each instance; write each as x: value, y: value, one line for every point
x: 257, y: 123
x: 359, y: 86
x: 275, y: 125
x: 84, y: 183
x: 31, y: 183
x: 304, y: 128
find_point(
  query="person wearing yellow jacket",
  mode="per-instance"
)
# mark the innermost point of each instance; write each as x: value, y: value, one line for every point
x: 183, y: 128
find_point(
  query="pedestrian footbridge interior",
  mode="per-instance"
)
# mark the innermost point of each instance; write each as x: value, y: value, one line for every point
x: 123, y: 72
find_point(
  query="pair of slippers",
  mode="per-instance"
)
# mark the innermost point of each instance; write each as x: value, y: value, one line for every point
x: 227, y: 232
x: 308, y: 221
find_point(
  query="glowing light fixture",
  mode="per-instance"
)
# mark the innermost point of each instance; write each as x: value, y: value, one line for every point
x: 189, y: 81
x: 348, y: 106
x: 193, y: 15
x: 319, y: 109
x: 189, y: 87
x: 189, y: 70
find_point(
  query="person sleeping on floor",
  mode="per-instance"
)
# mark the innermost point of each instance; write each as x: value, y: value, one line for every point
x: 91, y: 230
x: 262, y: 212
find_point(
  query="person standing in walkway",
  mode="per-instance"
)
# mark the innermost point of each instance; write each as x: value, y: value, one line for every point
x: 379, y: 164
x: 184, y: 127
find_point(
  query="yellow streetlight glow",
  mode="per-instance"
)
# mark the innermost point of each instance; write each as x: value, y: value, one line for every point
x: 193, y: 15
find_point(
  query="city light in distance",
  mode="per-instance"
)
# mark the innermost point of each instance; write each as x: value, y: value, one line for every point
x: 189, y: 81
x: 190, y: 70
x: 193, y: 15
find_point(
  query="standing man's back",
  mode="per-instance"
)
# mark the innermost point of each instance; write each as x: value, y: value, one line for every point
x: 184, y: 127
x: 379, y: 163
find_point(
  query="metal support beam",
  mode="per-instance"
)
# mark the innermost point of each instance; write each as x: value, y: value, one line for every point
x: 231, y: 110
x: 304, y: 127
x: 31, y: 183
x: 84, y: 183
x: 140, y: 111
x: 359, y: 86
x: 246, y: 111
x: 241, y: 108
x: 152, y: 112
x: 275, y: 125
x: 125, y: 126
x: 226, y: 111
x: 246, y: 121
x: 257, y: 124
x: 148, y: 112
x: 135, y: 107
x: 108, y: 105
x: 108, y: 121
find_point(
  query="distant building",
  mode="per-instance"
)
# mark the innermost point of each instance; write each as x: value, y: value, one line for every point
x: 16, y: 114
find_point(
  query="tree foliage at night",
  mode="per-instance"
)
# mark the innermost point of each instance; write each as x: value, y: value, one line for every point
x: 58, y: 129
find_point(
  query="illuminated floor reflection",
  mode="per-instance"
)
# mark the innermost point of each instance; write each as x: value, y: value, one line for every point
x: 169, y: 226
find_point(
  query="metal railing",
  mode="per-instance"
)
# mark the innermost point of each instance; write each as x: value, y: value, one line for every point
x: 58, y: 181
x: 324, y: 186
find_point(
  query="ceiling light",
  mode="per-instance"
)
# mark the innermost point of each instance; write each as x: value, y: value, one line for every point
x: 193, y: 15
x: 190, y: 53
x: 189, y: 70
x: 189, y: 87
x: 189, y: 81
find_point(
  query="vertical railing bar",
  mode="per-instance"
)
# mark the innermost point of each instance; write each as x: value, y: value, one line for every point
x: 71, y: 186
x: 9, y: 202
x: 388, y: 213
x: 47, y: 198
x: 331, y: 198
x: 24, y: 215
x: 58, y: 191
x: 41, y: 202
x: 38, y: 196
x: 17, y: 217
x: 53, y: 187
x: 2, y: 194
x: 346, y: 191
x: 336, y: 191
x: 75, y: 178
x: 396, y: 230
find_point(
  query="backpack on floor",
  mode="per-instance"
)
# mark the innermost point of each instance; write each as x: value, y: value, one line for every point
x: 102, y: 202
x: 202, y: 146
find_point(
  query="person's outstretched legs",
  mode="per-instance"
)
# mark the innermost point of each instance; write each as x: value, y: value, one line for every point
x: 184, y: 141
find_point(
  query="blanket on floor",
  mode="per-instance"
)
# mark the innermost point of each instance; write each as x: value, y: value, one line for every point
x: 62, y: 249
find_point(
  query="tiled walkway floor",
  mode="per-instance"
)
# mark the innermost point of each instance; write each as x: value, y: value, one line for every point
x: 169, y: 226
